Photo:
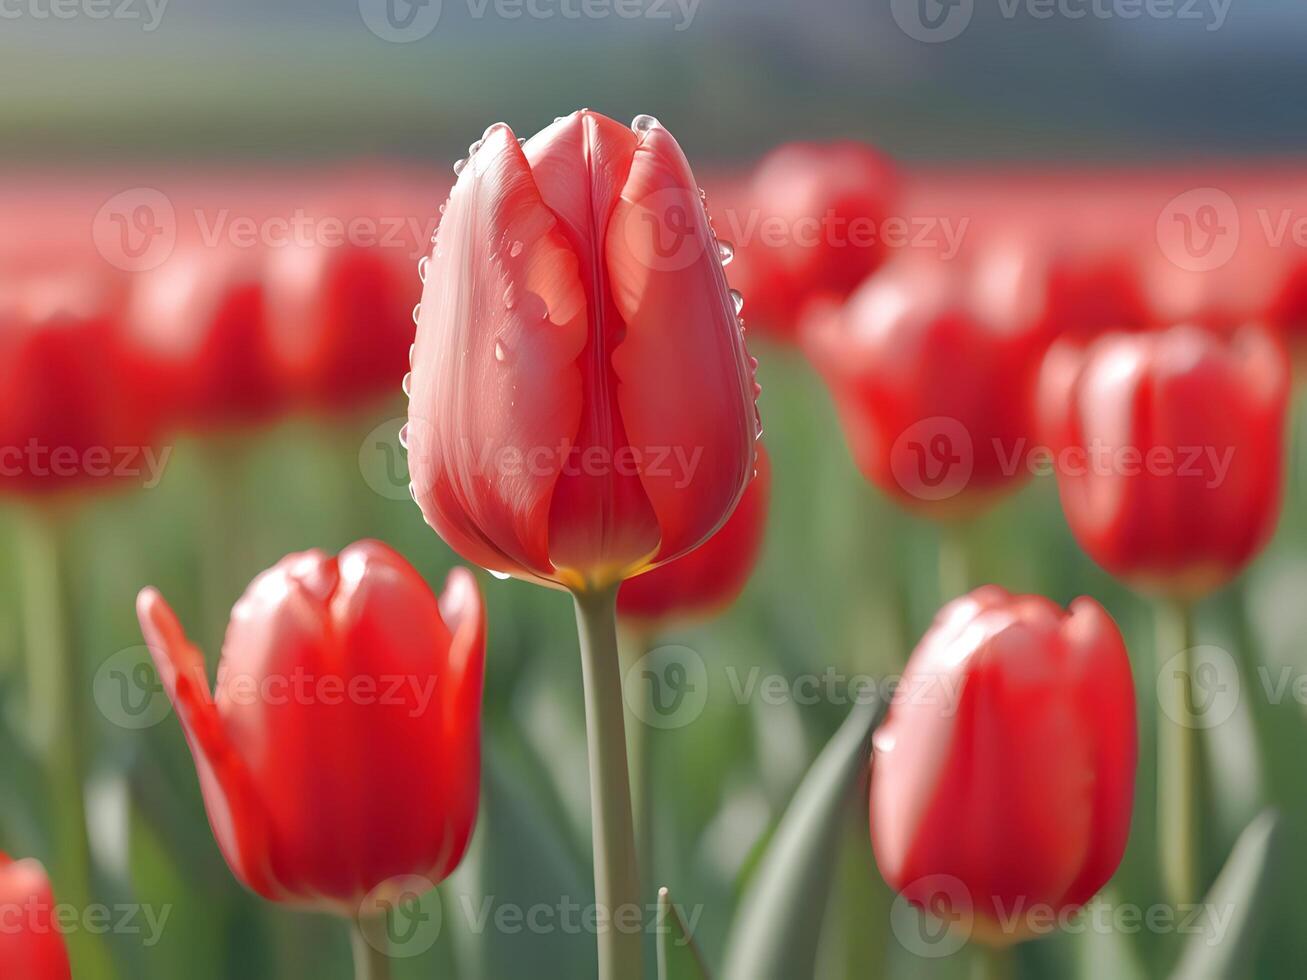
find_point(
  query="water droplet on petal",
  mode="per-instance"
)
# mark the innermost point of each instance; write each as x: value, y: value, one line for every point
x: 458, y: 167
x: 443, y: 206
x: 725, y: 251
x: 502, y: 576
x: 411, y: 349
x: 422, y: 267
x: 521, y: 141
x: 515, y: 249
x: 413, y: 492
x: 407, y: 384
x: 417, y: 313
x: 403, y: 435
x: 737, y: 300
x: 501, y: 352
x: 642, y: 123
x: 472, y: 148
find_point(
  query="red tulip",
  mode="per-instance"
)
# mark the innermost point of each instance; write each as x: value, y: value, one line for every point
x: 1003, y: 777
x: 73, y: 413
x: 199, y: 321
x: 342, y: 748
x: 713, y: 575
x: 809, y: 223
x: 582, y: 401
x: 933, y: 370
x: 31, y: 945
x: 341, y: 321
x: 1168, y: 449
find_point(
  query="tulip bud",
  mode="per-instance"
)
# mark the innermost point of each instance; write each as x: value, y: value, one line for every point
x: 809, y: 223
x: 341, y: 749
x: 1003, y: 777
x: 932, y: 368
x: 713, y: 575
x: 31, y: 945
x: 1168, y: 449
x: 582, y: 401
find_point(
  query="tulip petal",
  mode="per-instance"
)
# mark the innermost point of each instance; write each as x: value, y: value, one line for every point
x: 235, y: 812
x: 496, y: 391
x: 686, y: 386
x: 601, y: 522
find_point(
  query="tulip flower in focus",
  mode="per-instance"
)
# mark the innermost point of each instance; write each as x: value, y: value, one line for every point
x: 73, y: 412
x: 341, y: 748
x: 582, y: 403
x: 1168, y: 449
x: 199, y: 323
x: 933, y: 370
x: 1005, y: 783
x: 713, y: 575
x: 808, y: 224
x: 31, y: 945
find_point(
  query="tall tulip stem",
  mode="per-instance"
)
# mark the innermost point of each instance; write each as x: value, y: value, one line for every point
x: 55, y: 712
x: 1179, y: 762
x: 370, y: 963
x: 955, y: 571
x: 994, y: 964
x: 617, y: 884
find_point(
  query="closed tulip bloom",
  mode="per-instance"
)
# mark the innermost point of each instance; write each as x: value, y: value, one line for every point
x: 31, y: 945
x: 808, y: 224
x: 341, y: 748
x: 582, y: 404
x: 1005, y: 782
x: 1168, y: 450
x: 340, y: 321
x: 199, y: 322
x: 712, y: 576
x: 73, y: 411
x: 932, y: 368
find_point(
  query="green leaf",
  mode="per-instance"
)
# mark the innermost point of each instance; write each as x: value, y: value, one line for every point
x: 678, y: 957
x: 776, y: 933
x: 1242, y: 892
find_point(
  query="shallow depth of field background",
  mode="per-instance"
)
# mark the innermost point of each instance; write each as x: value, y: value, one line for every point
x: 299, y: 85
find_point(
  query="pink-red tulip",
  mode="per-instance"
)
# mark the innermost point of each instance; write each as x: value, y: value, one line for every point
x: 1168, y: 450
x: 341, y: 749
x: 809, y: 223
x: 1003, y: 784
x: 31, y: 945
x: 582, y: 400
x: 712, y: 576
x: 932, y: 368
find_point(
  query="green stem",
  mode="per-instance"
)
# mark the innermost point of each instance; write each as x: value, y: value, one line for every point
x: 994, y: 964
x: 633, y: 644
x: 617, y: 882
x: 370, y: 963
x: 954, y: 559
x: 1179, y: 761
x: 55, y: 714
